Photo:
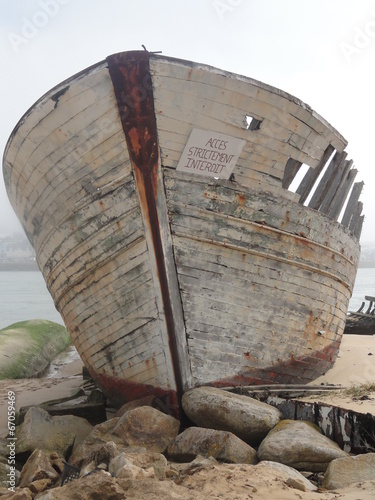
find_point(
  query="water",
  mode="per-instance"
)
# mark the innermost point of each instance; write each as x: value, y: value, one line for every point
x: 364, y: 285
x: 24, y: 296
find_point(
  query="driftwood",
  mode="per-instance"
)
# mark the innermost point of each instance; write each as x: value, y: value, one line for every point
x: 287, y: 391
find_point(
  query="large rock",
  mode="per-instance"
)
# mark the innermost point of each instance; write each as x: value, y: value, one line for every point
x: 344, y: 471
x: 131, y: 405
x: 147, y: 427
x: 148, y: 459
x: 38, y: 466
x: 102, y: 433
x: 121, y: 467
x: 300, y: 445
x: 55, y: 434
x: 143, y: 427
x: 96, y: 452
x: 247, y: 418
x: 222, y: 445
x: 27, y: 348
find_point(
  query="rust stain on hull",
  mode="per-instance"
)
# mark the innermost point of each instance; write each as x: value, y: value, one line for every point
x: 300, y: 370
x: 121, y: 391
x: 130, y: 74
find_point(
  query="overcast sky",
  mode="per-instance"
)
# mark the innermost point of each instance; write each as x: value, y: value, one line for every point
x: 321, y: 51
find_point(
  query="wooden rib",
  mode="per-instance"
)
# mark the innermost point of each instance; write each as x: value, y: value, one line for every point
x: 325, y: 183
x: 351, y: 207
x: 312, y: 175
x: 341, y: 196
x: 335, y: 187
x: 291, y: 168
x: 355, y: 221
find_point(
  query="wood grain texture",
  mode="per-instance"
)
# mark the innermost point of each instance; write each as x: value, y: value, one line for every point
x: 258, y: 282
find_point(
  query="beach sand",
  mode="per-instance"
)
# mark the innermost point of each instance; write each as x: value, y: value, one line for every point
x: 355, y: 365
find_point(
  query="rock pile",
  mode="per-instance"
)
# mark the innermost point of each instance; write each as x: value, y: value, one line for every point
x: 143, y: 453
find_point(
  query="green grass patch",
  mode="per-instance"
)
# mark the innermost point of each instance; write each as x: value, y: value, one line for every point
x: 27, y: 347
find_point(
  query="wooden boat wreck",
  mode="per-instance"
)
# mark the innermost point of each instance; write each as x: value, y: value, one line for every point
x: 362, y: 322
x: 155, y: 193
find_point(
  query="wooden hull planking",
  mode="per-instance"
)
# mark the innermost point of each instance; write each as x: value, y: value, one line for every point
x: 167, y: 279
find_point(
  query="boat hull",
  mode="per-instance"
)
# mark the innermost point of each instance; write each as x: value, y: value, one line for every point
x: 168, y: 279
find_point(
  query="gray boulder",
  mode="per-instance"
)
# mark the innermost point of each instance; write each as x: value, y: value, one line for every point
x: 147, y: 427
x: 247, y: 418
x: 123, y: 468
x: 300, y: 445
x: 132, y: 462
x: 222, y: 445
x: 345, y: 471
x: 55, y: 434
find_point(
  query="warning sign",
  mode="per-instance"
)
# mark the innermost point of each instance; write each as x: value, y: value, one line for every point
x: 210, y: 154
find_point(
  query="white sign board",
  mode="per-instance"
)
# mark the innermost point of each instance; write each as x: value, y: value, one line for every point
x: 210, y: 154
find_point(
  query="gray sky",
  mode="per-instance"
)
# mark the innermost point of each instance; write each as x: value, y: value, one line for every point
x: 321, y: 51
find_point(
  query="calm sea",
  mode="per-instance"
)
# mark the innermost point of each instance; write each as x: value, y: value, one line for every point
x: 364, y: 285
x: 24, y: 295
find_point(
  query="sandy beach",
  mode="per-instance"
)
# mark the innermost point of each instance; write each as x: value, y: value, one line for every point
x: 355, y: 365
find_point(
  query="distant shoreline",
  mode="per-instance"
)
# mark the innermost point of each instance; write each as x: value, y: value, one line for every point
x: 367, y: 264
x: 18, y: 266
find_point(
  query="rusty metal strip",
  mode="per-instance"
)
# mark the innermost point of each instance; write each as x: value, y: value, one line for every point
x: 130, y: 74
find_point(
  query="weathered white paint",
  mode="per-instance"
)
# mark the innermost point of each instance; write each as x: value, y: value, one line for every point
x: 252, y: 274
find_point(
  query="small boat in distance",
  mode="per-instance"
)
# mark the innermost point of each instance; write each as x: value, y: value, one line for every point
x: 156, y: 194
